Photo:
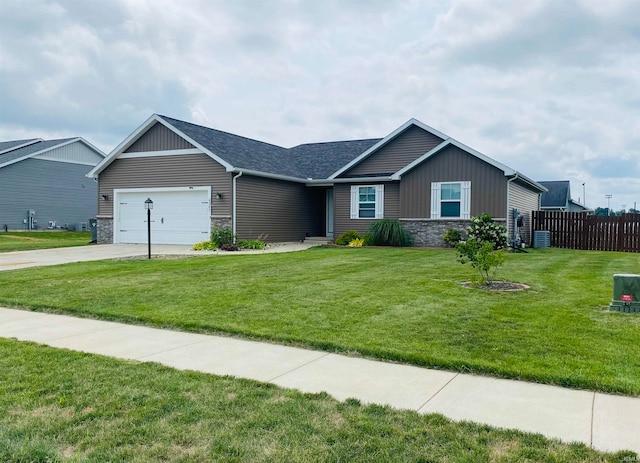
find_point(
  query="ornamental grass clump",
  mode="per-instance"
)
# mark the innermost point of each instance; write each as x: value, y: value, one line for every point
x: 388, y: 232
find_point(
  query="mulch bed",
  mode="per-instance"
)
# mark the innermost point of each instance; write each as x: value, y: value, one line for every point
x: 497, y: 286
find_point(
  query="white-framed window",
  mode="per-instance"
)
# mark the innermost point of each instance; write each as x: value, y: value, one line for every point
x: 450, y: 200
x: 367, y: 201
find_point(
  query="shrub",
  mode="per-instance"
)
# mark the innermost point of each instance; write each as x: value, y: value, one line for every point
x: 484, y: 229
x: 251, y: 244
x: 222, y: 236
x: 482, y: 257
x: 204, y: 246
x: 357, y: 243
x: 452, y: 237
x: 389, y: 232
x: 229, y: 247
x: 347, y: 237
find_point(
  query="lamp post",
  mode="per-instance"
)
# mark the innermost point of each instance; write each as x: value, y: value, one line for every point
x: 148, y: 205
x: 608, y: 204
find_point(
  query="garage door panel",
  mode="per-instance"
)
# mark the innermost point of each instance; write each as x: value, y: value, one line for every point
x: 178, y: 217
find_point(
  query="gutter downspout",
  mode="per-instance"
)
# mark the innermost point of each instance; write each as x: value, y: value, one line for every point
x: 510, y: 219
x: 233, y: 219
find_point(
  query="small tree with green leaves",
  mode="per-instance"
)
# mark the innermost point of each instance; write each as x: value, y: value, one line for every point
x: 482, y: 257
x: 484, y: 247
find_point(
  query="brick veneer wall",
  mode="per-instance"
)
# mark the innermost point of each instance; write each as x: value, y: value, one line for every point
x: 429, y: 232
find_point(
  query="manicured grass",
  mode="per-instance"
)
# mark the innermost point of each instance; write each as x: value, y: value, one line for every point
x: 59, y: 406
x: 398, y: 304
x: 26, y: 241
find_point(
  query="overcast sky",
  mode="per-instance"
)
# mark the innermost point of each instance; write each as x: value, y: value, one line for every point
x: 549, y: 88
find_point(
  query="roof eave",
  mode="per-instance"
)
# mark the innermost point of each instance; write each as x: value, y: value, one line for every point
x: 384, y: 141
x: 135, y: 135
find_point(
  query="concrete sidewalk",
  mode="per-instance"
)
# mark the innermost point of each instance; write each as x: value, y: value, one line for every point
x: 24, y: 259
x: 606, y: 422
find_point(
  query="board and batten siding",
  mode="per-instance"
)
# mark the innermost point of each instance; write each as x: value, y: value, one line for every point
x: 525, y: 200
x: 342, y: 198
x: 283, y: 211
x: 488, y: 184
x: 404, y: 149
x: 159, y: 138
x: 166, y: 171
x: 57, y: 191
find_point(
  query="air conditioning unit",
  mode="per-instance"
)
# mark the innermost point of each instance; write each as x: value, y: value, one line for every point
x: 626, y: 293
x: 541, y: 239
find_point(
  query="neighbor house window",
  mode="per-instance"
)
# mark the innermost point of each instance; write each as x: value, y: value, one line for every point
x: 450, y: 200
x: 367, y: 201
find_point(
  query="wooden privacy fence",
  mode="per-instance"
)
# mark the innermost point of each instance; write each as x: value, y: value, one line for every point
x: 577, y: 230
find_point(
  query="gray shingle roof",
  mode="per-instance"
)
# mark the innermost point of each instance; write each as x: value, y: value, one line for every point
x: 320, y: 160
x: 30, y: 149
x: 312, y: 160
x: 558, y: 193
x: 13, y: 144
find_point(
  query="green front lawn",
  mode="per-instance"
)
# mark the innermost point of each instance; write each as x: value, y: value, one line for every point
x: 63, y: 406
x: 404, y: 305
x: 27, y: 241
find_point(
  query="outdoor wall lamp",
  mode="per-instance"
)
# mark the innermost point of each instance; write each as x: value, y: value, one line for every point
x: 148, y: 205
x: 105, y: 197
x: 219, y: 195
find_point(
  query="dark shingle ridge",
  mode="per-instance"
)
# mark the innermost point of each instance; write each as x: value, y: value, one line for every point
x: 309, y: 160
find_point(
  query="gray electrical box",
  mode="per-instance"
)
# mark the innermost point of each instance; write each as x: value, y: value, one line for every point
x: 626, y: 293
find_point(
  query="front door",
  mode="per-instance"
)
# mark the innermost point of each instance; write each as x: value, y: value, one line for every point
x: 329, y: 209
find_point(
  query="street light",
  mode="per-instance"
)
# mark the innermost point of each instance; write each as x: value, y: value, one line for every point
x: 608, y: 204
x: 148, y: 205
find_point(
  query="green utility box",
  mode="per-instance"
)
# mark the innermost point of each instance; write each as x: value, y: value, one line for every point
x: 626, y: 293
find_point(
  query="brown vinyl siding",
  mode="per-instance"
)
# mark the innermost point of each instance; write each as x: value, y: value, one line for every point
x: 342, y: 197
x: 166, y: 171
x: 285, y: 211
x: 488, y: 184
x: 159, y: 138
x: 525, y: 200
x: 404, y: 149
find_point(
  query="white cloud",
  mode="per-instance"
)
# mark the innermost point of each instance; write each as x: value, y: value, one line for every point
x: 546, y: 87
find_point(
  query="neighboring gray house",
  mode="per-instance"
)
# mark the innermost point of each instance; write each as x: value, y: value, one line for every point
x: 44, y: 181
x: 558, y: 198
x: 198, y: 177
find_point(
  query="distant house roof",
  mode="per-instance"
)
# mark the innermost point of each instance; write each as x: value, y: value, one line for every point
x: 316, y: 161
x: 24, y: 149
x: 6, y: 146
x: 557, y: 196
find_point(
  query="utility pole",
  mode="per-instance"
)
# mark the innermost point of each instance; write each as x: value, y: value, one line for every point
x: 608, y: 204
x: 584, y: 195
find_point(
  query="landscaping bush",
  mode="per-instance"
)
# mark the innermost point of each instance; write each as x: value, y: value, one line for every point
x: 484, y: 229
x: 452, y: 237
x: 221, y: 236
x: 347, y: 237
x: 251, y: 244
x: 205, y: 246
x: 357, y: 243
x: 229, y: 247
x: 389, y: 232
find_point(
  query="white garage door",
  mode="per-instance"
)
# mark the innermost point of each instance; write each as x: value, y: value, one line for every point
x: 180, y: 216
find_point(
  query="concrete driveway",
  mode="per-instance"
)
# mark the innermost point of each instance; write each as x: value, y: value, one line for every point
x: 38, y: 258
